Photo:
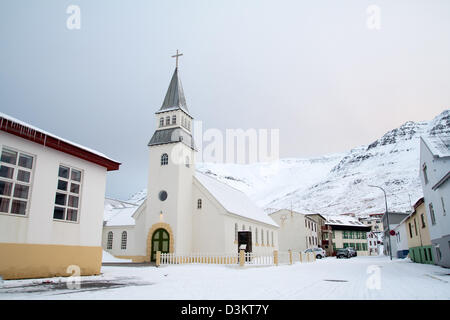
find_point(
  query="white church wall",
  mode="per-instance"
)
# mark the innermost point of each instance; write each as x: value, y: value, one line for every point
x: 208, y: 233
x: 38, y: 226
x: 117, y: 250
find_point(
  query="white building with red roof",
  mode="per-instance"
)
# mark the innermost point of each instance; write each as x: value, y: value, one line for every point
x: 51, y: 203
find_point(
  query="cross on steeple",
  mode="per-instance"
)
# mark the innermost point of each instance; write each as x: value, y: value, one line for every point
x: 176, y: 57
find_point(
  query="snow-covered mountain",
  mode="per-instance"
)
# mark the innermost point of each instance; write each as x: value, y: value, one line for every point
x: 339, y: 183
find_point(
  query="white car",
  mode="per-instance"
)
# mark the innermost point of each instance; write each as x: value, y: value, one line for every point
x: 319, y: 252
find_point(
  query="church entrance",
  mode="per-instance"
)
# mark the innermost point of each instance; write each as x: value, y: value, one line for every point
x: 160, y: 242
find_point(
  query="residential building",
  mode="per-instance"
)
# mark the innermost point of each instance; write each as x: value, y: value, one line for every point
x: 347, y: 231
x: 435, y: 176
x: 298, y: 231
x: 51, y: 203
x: 419, y: 242
x: 389, y: 235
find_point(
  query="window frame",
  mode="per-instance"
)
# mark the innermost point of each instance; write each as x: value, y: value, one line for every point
x: 199, y: 203
x: 15, y: 181
x: 68, y: 193
x: 164, y: 159
x: 124, y: 240
x: 109, y: 240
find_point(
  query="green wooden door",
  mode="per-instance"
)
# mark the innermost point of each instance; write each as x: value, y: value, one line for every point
x: 160, y: 242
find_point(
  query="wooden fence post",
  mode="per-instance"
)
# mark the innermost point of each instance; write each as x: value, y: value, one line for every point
x: 158, y: 258
x: 241, y: 258
x: 290, y: 256
x: 275, y: 257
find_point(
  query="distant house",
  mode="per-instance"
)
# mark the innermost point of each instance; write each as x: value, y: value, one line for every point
x: 418, y: 234
x: 298, y: 231
x: 435, y: 176
x: 51, y: 203
x: 322, y: 234
x: 401, y: 240
x: 347, y: 231
x: 374, y: 220
x: 389, y: 236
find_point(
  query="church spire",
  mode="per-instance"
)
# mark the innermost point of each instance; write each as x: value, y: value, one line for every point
x: 175, y: 94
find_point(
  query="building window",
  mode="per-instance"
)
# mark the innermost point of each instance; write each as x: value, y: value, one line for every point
x: 251, y: 235
x: 110, y: 241
x: 187, y: 162
x: 199, y: 203
x: 443, y: 207
x: 15, y: 181
x: 243, y: 227
x: 262, y: 237
x: 167, y: 120
x: 415, y: 226
x: 422, y: 217
x: 162, y: 195
x: 433, y: 218
x: 161, y: 122
x: 123, y: 244
x: 174, y: 119
x: 424, y: 170
x: 256, y: 235
x: 67, y: 198
x: 267, y: 239
x: 272, y: 239
x: 235, y: 232
x: 410, y: 230
x: 164, y: 159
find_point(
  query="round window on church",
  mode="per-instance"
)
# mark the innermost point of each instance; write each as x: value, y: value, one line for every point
x: 162, y: 195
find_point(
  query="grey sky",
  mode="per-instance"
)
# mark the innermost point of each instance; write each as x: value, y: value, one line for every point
x: 310, y: 68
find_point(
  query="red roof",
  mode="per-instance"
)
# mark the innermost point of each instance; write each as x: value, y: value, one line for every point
x: 28, y: 132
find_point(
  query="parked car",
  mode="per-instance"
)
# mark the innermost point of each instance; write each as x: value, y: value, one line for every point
x: 319, y: 252
x: 352, y: 251
x: 343, y: 253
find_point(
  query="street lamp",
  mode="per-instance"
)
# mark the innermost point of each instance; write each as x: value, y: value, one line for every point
x: 387, y: 218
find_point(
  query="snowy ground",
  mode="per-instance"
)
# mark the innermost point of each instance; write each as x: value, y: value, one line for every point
x: 330, y: 278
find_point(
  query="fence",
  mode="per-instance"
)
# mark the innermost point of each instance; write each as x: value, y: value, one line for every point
x: 242, y: 258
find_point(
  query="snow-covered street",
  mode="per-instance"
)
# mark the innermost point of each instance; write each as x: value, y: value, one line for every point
x: 357, y: 278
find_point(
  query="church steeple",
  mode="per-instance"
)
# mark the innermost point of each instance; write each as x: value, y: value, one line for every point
x: 175, y: 94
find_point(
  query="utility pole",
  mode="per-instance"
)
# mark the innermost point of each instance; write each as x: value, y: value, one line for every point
x: 387, y: 218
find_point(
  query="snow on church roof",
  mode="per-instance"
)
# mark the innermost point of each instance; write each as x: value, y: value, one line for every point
x: 119, y: 213
x: 438, y: 145
x: 233, y: 200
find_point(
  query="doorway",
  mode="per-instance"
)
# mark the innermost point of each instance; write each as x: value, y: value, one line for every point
x: 160, y: 242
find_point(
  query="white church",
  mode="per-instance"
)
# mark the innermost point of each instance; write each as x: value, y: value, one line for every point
x: 183, y: 211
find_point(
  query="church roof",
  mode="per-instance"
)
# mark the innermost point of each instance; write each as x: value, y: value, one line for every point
x: 172, y: 135
x: 439, y: 145
x: 233, y: 200
x: 175, y: 95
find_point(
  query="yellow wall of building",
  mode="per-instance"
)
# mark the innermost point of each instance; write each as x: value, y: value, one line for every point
x: 22, y: 261
x: 423, y: 235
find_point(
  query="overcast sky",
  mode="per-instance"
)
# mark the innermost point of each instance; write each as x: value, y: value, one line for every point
x: 312, y: 69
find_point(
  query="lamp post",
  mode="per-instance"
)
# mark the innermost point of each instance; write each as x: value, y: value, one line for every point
x: 387, y: 218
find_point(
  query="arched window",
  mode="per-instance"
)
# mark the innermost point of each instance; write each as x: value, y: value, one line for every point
x: 174, y: 119
x: 167, y: 120
x: 110, y: 241
x: 161, y: 122
x: 164, y: 159
x: 187, y: 162
x: 262, y: 237
x: 123, y: 244
x: 235, y: 232
x: 267, y: 239
x: 256, y: 235
x: 272, y: 239
x: 199, y: 203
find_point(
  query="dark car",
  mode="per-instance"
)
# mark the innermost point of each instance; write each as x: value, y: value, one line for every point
x: 352, y: 251
x: 343, y: 253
